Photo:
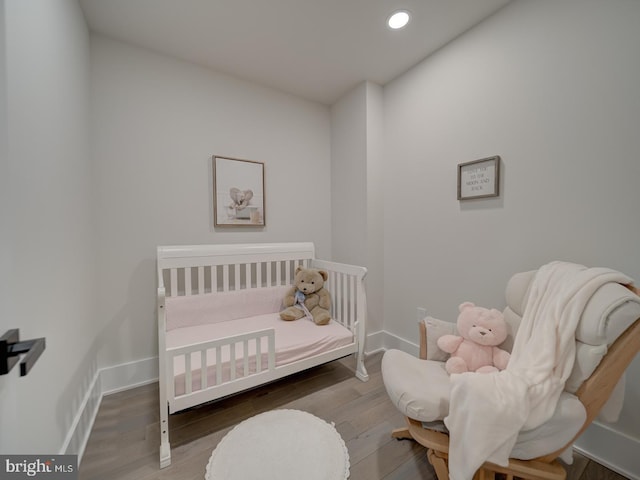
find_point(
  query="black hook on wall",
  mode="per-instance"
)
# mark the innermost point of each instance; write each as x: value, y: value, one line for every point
x: 11, y: 347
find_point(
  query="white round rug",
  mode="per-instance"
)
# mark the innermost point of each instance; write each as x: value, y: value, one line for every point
x: 280, y: 445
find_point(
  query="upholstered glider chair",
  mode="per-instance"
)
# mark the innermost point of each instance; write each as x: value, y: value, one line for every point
x: 594, y: 316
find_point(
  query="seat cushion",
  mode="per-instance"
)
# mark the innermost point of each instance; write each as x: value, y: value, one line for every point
x: 555, y: 433
x: 418, y: 388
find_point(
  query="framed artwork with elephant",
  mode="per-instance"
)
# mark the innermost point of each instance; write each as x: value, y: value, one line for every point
x: 238, y: 192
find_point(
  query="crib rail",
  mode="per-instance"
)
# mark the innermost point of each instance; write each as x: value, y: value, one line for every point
x: 239, y: 363
x: 215, y: 268
x: 346, y: 286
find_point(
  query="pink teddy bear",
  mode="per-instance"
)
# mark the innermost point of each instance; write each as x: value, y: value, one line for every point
x: 476, y: 349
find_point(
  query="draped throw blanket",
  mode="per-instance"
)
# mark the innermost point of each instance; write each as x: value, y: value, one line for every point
x: 487, y: 411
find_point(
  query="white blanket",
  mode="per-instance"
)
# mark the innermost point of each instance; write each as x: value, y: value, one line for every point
x: 488, y: 410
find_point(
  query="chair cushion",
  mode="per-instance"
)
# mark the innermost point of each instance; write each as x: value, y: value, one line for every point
x: 555, y: 433
x: 436, y: 329
x: 418, y: 388
x: 607, y: 314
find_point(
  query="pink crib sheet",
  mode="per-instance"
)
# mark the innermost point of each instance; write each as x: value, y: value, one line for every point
x: 294, y: 341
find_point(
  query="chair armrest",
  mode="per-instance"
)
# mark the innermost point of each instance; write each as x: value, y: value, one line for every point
x: 423, y: 340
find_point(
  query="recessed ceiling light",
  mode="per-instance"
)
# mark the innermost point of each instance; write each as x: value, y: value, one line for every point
x: 398, y: 19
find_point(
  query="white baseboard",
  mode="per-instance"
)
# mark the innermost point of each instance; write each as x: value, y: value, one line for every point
x: 78, y: 434
x: 391, y: 341
x: 128, y: 375
x: 611, y: 448
x: 374, y: 343
x: 106, y: 381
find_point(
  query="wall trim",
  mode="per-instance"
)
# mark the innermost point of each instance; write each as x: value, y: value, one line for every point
x: 374, y: 342
x: 78, y: 434
x: 392, y: 341
x: 611, y: 448
x: 106, y: 381
x: 129, y: 375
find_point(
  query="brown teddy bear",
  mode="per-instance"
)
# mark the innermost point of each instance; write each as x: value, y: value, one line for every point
x: 308, y: 297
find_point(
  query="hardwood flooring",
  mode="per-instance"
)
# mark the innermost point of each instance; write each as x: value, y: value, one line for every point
x: 125, y: 438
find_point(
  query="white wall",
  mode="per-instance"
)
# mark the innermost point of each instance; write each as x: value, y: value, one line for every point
x: 156, y: 122
x: 348, y: 176
x: 356, y: 193
x: 47, y: 223
x: 5, y: 199
x: 552, y: 87
x: 375, y: 214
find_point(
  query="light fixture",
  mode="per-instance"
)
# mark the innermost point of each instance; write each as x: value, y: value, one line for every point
x: 398, y: 19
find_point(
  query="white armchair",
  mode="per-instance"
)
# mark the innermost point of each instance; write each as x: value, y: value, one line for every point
x: 607, y: 337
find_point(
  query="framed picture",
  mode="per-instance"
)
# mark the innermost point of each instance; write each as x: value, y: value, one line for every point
x: 479, y: 178
x: 238, y: 192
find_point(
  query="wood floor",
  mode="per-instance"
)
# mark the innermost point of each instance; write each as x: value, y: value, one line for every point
x: 125, y: 438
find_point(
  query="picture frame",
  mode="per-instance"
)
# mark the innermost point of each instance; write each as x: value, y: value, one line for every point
x: 479, y: 178
x: 238, y: 192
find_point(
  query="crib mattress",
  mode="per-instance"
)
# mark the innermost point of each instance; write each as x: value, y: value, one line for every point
x: 294, y: 341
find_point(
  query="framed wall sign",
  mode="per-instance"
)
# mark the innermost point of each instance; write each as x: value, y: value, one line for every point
x: 479, y: 178
x: 238, y: 192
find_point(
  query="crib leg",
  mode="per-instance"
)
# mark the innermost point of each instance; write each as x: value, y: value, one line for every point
x: 165, y: 446
x: 165, y: 455
x: 361, y: 371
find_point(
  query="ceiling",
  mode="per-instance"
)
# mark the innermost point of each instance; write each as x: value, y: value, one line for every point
x: 316, y: 49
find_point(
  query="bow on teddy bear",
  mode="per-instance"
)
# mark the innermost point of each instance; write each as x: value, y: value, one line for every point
x: 476, y: 349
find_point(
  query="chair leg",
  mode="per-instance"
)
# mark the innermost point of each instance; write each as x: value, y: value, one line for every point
x: 439, y: 465
x: 402, y: 434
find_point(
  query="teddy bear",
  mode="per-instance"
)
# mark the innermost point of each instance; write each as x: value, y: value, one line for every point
x: 308, y: 297
x: 476, y: 349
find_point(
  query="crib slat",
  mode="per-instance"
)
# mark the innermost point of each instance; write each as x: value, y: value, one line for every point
x: 214, y: 278
x: 272, y: 352
x: 259, y: 274
x: 278, y: 273
x: 187, y: 373
x: 245, y: 352
x: 218, y: 366
x: 332, y: 291
x: 345, y: 298
x: 203, y: 369
x: 247, y: 275
x: 187, y: 281
x: 236, y: 277
x: 200, y: 280
x: 287, y: 273
x: 225, y: 278
x: 269, y: 283
x: 174, y: 281
x: 343, y: 295
x: 352, y: 300
x: 258, y: 355
x: 232, y: 361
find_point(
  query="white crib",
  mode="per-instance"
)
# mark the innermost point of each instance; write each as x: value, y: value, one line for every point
x: 221, y: 303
